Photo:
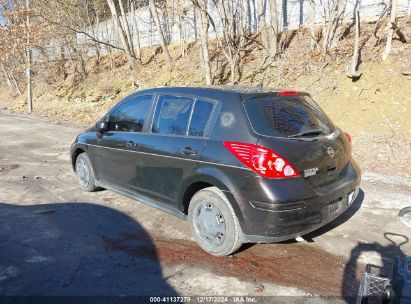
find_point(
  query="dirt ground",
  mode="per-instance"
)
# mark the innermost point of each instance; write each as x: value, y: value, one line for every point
x: 57, y: 240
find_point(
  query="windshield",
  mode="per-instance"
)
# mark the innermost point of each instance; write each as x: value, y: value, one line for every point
x: 288, y: 116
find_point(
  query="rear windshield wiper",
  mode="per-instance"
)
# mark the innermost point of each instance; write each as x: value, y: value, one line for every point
x: 306, y: 133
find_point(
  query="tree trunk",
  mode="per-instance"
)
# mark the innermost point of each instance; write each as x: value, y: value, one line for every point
x: 154, y: 13
x: 273, y: 30
x: 195, y: 23
x: 181, y: 28
x: 135, y: 25
x: 204, y: 23
x: 390, y: 26
x: 28, y: 69
x: 126, y: 27
x: 354, y: 73
x: 233, y: 67
x: 332, y: 27
x: 312, y: 25
x: 16, y: 84
x: 130, y: 58
x: 245, y: 20
x: 262, y: 25
x: 7, y: 77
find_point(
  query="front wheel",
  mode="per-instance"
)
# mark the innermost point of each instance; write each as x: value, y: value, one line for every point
x: 214, y: 223
x: 85, y: 174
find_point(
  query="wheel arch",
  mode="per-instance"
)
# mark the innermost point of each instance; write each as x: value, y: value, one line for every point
x: 76, y: 152
x: 213, y: 178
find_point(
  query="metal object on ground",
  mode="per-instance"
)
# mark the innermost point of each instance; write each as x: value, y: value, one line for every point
x: 373, y: 289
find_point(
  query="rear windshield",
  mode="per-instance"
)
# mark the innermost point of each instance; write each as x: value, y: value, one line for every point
x: 288, y: 116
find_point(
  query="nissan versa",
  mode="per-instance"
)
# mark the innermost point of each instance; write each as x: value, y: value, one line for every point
x: 242, y: 164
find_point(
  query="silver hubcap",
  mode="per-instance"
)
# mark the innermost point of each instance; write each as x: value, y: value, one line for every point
x: 209, y: 224
x: 82, y: 172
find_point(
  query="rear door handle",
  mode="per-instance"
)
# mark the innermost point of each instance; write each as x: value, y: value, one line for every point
x: 188, y: 151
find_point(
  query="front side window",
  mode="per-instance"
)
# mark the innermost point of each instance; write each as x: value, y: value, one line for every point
x: 201, y: 115
x: 130, y: 116
x: 172, y: 115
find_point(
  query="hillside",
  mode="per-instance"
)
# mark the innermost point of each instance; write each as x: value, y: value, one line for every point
x: 375, y: 110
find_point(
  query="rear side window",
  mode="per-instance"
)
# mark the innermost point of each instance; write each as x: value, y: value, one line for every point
x: 131, y: 115
x: 287, y: 116
x: 172, y: 115
x: 200, y: 118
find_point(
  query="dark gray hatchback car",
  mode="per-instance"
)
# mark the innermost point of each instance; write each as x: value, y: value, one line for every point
x: 242, y: 164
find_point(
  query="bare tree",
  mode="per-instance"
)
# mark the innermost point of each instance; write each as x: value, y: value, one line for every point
x: 10, y: 79
x: 137, y: 33
x: 313, y: 39
x: 17, y: 37
x: 154, y: 13
x: 132, y: 62
x: 28, y: 67
x: 202, y: 6
x: 126, y: 27
x: 273, y: 29
x: 390, y: 26
x: 333, y: 17
x: 354, y: 72
x: 245, y: 17
x: 262, y: 25
x: 232, y: 42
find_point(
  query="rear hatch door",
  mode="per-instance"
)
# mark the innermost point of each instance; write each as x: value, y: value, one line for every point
x: 296, y: 128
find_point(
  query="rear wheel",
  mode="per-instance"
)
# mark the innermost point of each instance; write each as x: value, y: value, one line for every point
x: 214, y: 223
x: 85, y: 174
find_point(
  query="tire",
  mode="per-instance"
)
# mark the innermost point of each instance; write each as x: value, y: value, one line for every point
x: 219, y: 238
x: 85, y: 173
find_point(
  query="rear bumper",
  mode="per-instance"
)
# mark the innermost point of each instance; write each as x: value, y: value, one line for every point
x: 277, y: 210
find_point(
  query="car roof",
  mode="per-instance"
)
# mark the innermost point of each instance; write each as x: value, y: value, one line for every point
x: 213, y: 91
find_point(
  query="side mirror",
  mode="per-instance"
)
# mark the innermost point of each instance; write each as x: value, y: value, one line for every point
x: 101, y: 126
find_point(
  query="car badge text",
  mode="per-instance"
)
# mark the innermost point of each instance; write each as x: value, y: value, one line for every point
x: 310, y: 172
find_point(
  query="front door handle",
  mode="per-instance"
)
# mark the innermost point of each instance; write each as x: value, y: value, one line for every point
x: 188, y: 151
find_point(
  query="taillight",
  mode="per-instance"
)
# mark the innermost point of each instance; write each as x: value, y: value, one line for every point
x: 348, y: 137
x: 287, y: 93
x: 262, y: 160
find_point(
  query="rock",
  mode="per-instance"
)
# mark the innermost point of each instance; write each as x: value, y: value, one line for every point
x: 94, y: 97
x: 254, y: 265
x: 259, y: 288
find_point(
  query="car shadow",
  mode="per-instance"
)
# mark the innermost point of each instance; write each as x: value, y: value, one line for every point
x: 60, y: 249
